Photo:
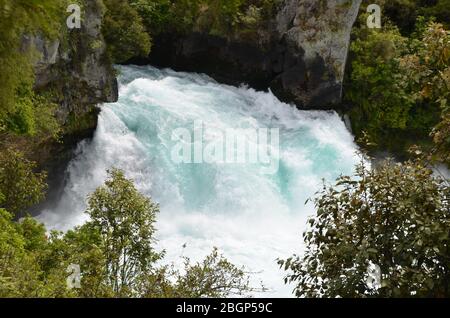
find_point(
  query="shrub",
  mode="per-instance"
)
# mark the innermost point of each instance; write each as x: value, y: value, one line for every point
x: 396, y: 217
x: 124, y: 32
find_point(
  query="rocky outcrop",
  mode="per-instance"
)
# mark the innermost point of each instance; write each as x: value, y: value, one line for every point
x: 321, y: 28
x: 300, y: 54
x: 75, y: 68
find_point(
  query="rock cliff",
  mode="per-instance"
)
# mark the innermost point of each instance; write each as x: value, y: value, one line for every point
x: 320, y: 31
x: 75, y: 68
x: 300, y: 54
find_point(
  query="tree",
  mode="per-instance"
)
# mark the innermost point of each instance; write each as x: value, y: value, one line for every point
x: 214, y: 277
x: 218, y: 17
x: 23, y: 250
x: 404, y: 13
x: 83, y: 247
x: 166, y: 16
x: 439, y: 9
x: 429, y: 70
x: 398, y: 86
x: 19, y: 17
x: 125, y: 220
x: 20, y: 185
x: 377, y: 84
x: 114, y: 251
x: 396, y: 216
x: 124, y: 31
x: 34, y: 114
x: 13, y: 260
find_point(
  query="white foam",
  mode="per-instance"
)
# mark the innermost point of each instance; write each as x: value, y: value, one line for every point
x: 252, y: 218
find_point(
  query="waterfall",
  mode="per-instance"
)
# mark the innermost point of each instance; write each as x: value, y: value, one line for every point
x: 251, y: 216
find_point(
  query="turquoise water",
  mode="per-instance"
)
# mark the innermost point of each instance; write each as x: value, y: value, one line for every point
x: 252, y: 217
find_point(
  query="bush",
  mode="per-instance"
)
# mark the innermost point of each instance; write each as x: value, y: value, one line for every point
x: 218, y: 17
x: 34, y: 114
x: 115, y: 252
x: 396, y: 217
x: 18, y: 17
x: 124, y: 32
x: 404, y: 13
x: 396, y: 85
x: 20, y: 186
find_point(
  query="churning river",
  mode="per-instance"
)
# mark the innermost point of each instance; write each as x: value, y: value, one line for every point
x: 253, y: 217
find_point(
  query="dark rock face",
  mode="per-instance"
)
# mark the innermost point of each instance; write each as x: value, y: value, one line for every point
x: 300, y: 55
x: 230, y: 62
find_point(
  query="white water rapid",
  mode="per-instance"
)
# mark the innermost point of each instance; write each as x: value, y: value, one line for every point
x: 252, y: 217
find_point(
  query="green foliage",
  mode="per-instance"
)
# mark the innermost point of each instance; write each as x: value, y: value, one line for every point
x: 20, y: 185
x: 129, y: 25
x: 219, y: 17
x: 440, y: 10
x: 376, y: 80
x: 233, y: 17
x: 124, y: 31
x: 395, y: 216
x: 429, y: 70
x: 214, y: 277
x: 19, y: 17
x: 115, y: 253
x: 161, y: 16
x: 34, y: 114
x: 404, y: 13
x: 84, y: 246
x: 395, y: 83
x: 125, y: 220
x: 22, y: 246
x: 12, y: 256
x: 154, y: 14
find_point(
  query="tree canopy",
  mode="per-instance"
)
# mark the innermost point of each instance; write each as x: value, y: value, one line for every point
x: 115, y: 252
x: 396, y: 216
